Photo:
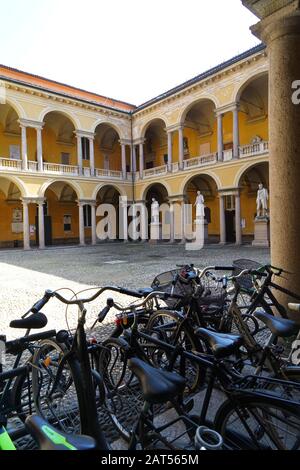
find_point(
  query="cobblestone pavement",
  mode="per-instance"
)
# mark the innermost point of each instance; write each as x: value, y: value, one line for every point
x: 24, y: 277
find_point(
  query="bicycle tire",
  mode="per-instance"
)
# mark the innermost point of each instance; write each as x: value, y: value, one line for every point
x: 259, y: 407
x: 75, y: 380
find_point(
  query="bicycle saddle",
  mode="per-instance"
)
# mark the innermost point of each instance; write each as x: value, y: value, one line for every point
x: 34, y: 321
x: 50, y: 438
x: 279, y: 326
x: 221, y: 344
x: 158, y: 385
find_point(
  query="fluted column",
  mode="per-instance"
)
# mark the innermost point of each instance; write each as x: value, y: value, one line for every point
x: 26, y: 232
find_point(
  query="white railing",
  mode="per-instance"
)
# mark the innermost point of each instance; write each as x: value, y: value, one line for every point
x: 112, y: 174
x: 156, y: 171
x: 199, y: 161
x: 175, y: 167
x: 254, y: 149
x: 227, y: 155
x: 11, y: 164
x: 61, y: 169
x: 32, y: 166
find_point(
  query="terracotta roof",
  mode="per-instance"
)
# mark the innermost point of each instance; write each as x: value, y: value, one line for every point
x: 42, y: 83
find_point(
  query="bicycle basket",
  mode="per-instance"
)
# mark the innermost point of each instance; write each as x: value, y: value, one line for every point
x: 164, y: 283
x: 245, y: 282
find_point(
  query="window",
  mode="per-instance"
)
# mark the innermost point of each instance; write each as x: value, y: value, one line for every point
x: 230, y: 203
x: 14, y: 152
x: 65, y: 158
x: 67, y: 223
x: 87, y: 216
x: 85, y: 145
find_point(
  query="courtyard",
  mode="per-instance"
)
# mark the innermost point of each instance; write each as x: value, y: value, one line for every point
x: 24, y: 276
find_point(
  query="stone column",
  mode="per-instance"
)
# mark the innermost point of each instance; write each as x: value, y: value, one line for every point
x: 172, y: 222
x: 238, y: 227
x: 41, y: 225
x: 93, y: 228
x: 220, y: 137
x: 81, y: 224
x: 280, y: 31
x: 79, y: 154
x: 222, y: 220
x: 92, y: 156
x: 170, y: 157
x: 39, y: 147
x: 26, y: 233
x: 141, y: 151
x: 24, y: 147
x: 236, y: 133
x: 123, y: 156
x: 180, y: 146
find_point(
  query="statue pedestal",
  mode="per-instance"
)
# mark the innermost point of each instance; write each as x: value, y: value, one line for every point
x: 261, y: 232
x: 198, y: 243
x: 205, y: 231
x: 154, y: 232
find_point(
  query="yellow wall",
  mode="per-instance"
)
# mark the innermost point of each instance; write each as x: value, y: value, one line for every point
x: 6, y: 140
x: 52, y: 149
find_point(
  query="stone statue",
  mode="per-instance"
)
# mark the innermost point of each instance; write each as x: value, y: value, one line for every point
x: 199, y: 203
x: 262, y: 201
x: 154, y: 211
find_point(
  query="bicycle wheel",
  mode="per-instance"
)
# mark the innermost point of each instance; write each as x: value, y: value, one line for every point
x: 165, y: 325
x: 57, y: 387
x: 124, y: 399
x: 258, y: 423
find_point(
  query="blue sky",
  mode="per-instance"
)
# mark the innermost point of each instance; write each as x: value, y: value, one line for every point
x: 131, y: 50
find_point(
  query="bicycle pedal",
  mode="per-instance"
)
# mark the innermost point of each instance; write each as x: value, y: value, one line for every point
x: 188, y: 405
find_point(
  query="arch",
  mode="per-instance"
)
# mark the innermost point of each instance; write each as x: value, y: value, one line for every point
x: 20, y: 185
x: 75, y: 121
x: 108, y: 123
x: 242, y: 86
x: 189, y: 106
x: 147, y: 188
x: 148, y: 124
x: 16, y: 106
x: 189, y: 178
x: 43, y: 188
x: 244, y: 169
x: 120, y: 190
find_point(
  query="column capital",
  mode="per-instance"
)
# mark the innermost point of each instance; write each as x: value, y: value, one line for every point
x: 30, y: 123
x: 125, y: 141
x: 87, y: 134
x: 174, y: 128
x: 33, y: 200
x: 227, y: 108
x: 235, y: 191
x: 139, y: 141
x: 86, y: 202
